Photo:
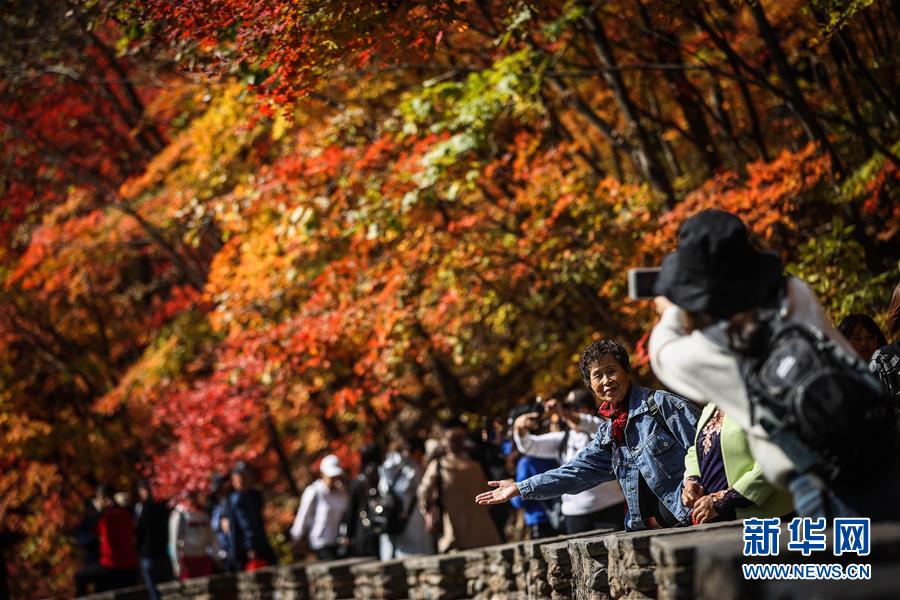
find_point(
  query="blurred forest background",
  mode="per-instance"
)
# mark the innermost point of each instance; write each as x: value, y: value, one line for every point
x: 262, y: 229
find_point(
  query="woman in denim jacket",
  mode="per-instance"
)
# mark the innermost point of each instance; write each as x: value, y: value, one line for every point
x: 642, y: 445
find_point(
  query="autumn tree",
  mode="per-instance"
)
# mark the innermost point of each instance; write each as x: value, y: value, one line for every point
x: 267, y: 230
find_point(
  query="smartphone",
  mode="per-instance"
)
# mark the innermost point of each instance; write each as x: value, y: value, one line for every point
x: 641, y: 282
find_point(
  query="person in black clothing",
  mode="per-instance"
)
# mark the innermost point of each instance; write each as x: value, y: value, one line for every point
x: 486, y: 449
x: 4, y: 588
x: 363, y: 491
x: 152, y: 534
x: 863, y: 333
x: 91, y: 577
x: 248, y: 529
x: 7, y: 539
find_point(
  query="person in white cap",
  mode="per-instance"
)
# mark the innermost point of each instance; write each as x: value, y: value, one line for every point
x: 322, y: 508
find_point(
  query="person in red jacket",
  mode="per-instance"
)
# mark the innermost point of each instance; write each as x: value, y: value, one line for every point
x: 115, y: 531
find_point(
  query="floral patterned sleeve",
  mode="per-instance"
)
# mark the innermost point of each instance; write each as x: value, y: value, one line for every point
x: 726, y: 501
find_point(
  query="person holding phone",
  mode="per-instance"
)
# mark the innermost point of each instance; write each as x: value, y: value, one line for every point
x: 599, y: 507
x: 642, y: 444
x: 536, y: 513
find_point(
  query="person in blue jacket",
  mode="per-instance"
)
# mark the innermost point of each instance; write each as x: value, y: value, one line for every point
x: 248, y: 530
x: 221, y: 521
x: 536, y: 519
x: 642, y: 445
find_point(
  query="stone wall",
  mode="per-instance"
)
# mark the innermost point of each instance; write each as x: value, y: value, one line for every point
x: 702, y: 562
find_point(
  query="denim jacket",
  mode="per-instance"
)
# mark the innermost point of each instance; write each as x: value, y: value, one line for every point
x: 650, y: 449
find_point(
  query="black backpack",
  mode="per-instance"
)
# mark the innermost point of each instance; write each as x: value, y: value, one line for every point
x: 818, y: 402
x: 388, y: 513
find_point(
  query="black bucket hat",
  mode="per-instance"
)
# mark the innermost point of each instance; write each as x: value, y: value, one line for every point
x: 716, y: 270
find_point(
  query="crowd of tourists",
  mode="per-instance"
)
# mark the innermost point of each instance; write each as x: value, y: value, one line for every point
x: 720, y: 443
x: 151, y: 540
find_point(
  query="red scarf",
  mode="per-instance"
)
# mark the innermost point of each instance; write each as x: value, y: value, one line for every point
x: 618, y: 416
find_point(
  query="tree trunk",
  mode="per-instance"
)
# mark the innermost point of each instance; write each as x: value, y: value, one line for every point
x: 682, y: 90
x: 731, y: 57
x: 863, y: 73
x: 805, y: 114
x: 278, y: 446
x: 646, y: 149
x: 839, y: 57
x: 571, y: 97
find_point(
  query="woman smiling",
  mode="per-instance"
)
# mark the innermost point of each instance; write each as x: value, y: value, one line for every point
x: 642, y: 445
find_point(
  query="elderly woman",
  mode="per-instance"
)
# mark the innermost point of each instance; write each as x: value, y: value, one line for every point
x: 722, y: 481
x: 709, y: 290
x: 642, y: 444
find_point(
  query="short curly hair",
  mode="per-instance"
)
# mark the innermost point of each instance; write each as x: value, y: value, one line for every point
x: 597, y: 350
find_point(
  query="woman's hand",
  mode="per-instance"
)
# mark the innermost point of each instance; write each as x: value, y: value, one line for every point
x: 661, y: 303
x: 506, y: 490
x: 691, y: 491
x: 704, y: 510
x: 554, y: 406
x: 525, y: 423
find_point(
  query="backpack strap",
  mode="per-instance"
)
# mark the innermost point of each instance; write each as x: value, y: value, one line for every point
x: 657, y: 415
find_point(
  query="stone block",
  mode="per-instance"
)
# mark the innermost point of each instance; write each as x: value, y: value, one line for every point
x: 590, y: 562
x: 291, y: 583
x: 257, y: 585
x: 217, y: 587
x: 332, y: 580
x: 674, y: 556
x: 174, y: 590
x: 132, y: 593
x: 534, y: 565
x: 438, y: 576
x: 501, y: 571
x: 385, y: 580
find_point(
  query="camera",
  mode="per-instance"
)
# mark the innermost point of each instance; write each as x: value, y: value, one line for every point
x: 533, y: 407
x: 641, y: 282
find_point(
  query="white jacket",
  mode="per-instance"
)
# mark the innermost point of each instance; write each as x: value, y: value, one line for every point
x: 319, y: 516
x: 190, y: 534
